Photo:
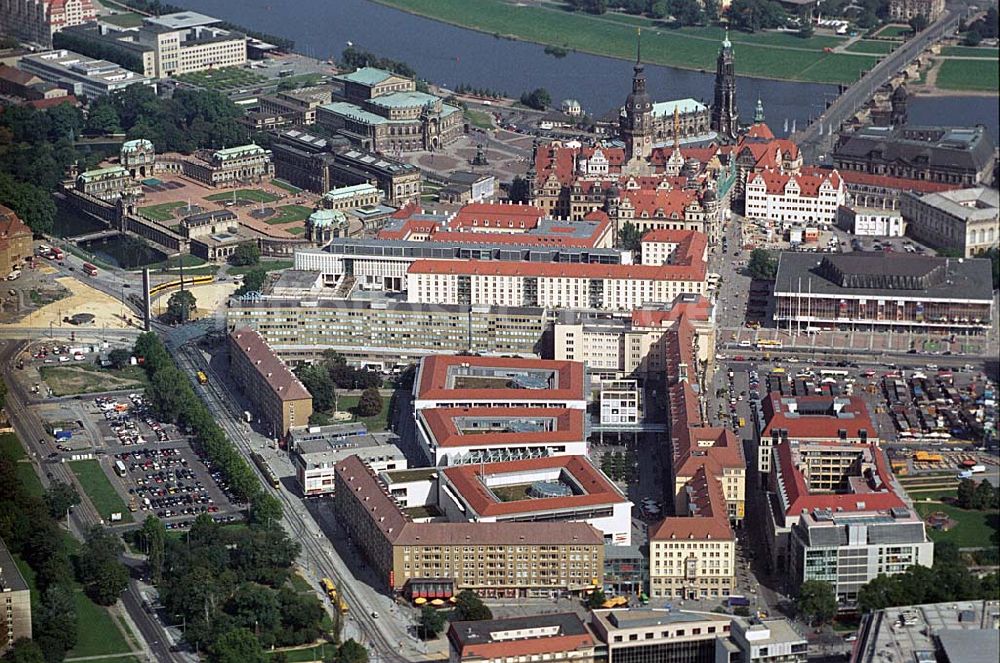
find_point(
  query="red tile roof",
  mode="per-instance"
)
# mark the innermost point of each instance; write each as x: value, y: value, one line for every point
x: 809, y: 180
x: 710, y: 520
x: 660, y: 203
x: 432, y: 379
x: 899, y: 183
x: 467, y: 482
x: 799, y: 499
x: 760, y: 130
x: 17, y: 76
x: 11, y: 225
x: 42, y: 104
x: 777, y: 415
x: 279, y: 377
x: 697, y: 310
x: 569, y: 426
x: 496, y: 215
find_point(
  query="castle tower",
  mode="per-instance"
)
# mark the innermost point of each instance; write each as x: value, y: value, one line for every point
x: 637, y: 125
x: 758, y: 112
x: 724, y: 114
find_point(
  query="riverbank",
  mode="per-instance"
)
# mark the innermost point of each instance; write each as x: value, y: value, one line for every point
x: 768, y: 55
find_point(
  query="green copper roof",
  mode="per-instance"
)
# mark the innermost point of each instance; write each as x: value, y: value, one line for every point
x: 404, y: 100
x: 348, y: 191
x: 682, y: 105
x: 366, y: 76
x: 353, y: 112
x: 238, y: 151
x: 102, y: 173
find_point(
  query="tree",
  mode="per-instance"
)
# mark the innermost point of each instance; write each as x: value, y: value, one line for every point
x: 630, y: 237
x: 316, y: 379
x: 985, y: 497
x: 103, y: 577
x: 55, y: 629
x: 351, y: 652
x: 470, y: 608
x: 817, y: 602
x: 60, y: 498
x: 519, y: 191
x: 238, y: 645
x: 253, y: 281
x: 918, y: 23
x: 154, y: 539
x: 119, y: 358
x: 431, y: 622
x: 539, y: 99
x: 973, y: 37
x: 761, y: 265
x: 596, y: 599
x: 687, y: 12
x: 24, y: 651
x: 881, y: 592
x: 102, y: 118
x: 711, y: 10
x: 246, y: 254
x: 180, y: 306
x: 966, y: 493
x: 754, y: 15
x: 31, y: 203
x: 370, y: 403
x: 807, y: 30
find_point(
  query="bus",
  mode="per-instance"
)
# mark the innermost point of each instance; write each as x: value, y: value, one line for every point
x: 202, y: 378
x: 833, y: 373
x: 329, y: 587
x: 768, y: 343
x: 43, y: 249
x: 120, y: 468
x: 615, y: 602
x: 89, y: 269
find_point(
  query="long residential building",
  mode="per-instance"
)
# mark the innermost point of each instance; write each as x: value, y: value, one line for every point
x: 508, y: 559
x: 386, y: 334
x: 883, y: 291
x: 277, y: 395
x: 610, y: 287
x: 15, y: 602
x: 37, y: 20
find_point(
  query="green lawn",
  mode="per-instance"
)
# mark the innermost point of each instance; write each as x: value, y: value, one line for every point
x: 971, y: 52
x: 102, y: 494
x: 891, y: 31
x: 770, y: 55
x: 321, y: 652
x: 479, y: 119
x: 872, y: 46
x: 256, y: 195
x: 289, y: 214
x: 287, y: 186
x: 10, y: 447
x: 127, y: 20
x: 161, y: 212
x: 377, y: 423
x: 300, y: 81
x: 936, y: 494
x: 86, y: 378
x: 174, y: 264
x: 269, y: 265
x: 975, y: 529
x: 973, y: 75
x: 297, y: 230
x: 222, y: 79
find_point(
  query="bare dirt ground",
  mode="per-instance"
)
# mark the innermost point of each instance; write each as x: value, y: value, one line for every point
x: 107, y: 310
x: 208, y: 298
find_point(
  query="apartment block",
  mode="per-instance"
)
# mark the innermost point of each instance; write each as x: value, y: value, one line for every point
x: 15, y: 602
x: 277, y: 395
x: 37, y: 20
x: 497, y: 559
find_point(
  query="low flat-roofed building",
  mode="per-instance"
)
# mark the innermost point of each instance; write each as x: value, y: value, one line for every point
x: 15, y: 601
x: 386, y: 334
x: 876, y: 291
x: 460, y: 435
x: 871, y: 222
x: 952, y: 632
x: 650, y: 634
x: 559, y: 488
x: 765, y: 641
x: 965, y: 220
x: 465, y: 187
x: 277, y: 395
x: 561, y: 636
x: 80, y: 75
x: 524, y: 558
x: 468, y: 381
x: 316, y: 450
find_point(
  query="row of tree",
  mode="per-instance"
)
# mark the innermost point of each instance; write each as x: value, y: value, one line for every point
x: 981, y: 497
x: 949, y: 579
x: 172, y: 397
x: 29, y: 525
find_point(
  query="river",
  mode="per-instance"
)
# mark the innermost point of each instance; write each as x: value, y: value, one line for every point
x: 449, y: 55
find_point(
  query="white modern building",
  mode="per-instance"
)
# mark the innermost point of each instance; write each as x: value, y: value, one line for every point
x: 871, y: 222
x: 621, y: 403
x: 811, y: 197
x: 80, y: 75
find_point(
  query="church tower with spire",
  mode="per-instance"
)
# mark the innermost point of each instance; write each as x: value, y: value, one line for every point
x: 637, y: 123
x: 725, y: 117
x: 758, y: 113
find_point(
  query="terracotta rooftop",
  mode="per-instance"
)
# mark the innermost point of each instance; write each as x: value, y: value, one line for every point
x: 817, y: 417
x: 569, y: 426
x: 677, y: 272
x: 899, y: 183
x: 279, y: 377
x: 468, y: 482
x: 700, y: 309
x: 433, y: 373
x: 710, y: 518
